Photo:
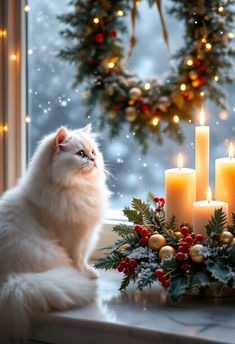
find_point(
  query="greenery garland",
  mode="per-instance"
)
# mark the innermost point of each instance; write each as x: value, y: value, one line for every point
x: 151, y: 107
x: 152, y: 250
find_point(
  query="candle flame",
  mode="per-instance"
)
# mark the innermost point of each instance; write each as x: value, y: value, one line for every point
x: 231, y: 151
x: 209, y: 195
x: 180, y: 161
x: 202, y: 116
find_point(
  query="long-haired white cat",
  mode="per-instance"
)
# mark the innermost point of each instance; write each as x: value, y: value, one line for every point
x: 48, y: 227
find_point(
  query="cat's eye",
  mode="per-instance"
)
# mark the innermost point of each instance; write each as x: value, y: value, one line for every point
x: 81, y: 153
x: 93, y: 152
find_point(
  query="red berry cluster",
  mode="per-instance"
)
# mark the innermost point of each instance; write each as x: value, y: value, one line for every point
x: 127, y: 266
x: 160, y: 202
x: 187, y: 242
x: 160, y: 274
x: 144, y: 233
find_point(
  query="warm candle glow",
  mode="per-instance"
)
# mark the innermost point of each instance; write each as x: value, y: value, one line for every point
x: 231, y: 151
x: 202, y: 116
x: 180, y: 161
x: 209, y: 195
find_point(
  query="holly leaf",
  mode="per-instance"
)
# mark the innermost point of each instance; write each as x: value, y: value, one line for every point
x: 169, y: 264
x: 144, y: 209
x: 178, y: 284
x: 201, y: 278
x: 133, y: 215
x: 219, y: 270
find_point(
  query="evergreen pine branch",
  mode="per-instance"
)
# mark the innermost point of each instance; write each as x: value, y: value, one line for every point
x: 171, y: 224
x: 126, y: 281
x: 123, y: 229
x: 231, y: 228
x: 110, y: 261
x: 144, y: 209
x: 217, y: 224
x: 133, y: 215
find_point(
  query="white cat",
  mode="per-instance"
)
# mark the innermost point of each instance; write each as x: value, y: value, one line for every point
x: 48, y: 226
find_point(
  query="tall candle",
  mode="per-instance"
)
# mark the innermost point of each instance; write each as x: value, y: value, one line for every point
x: 202, y: 147
x: 202, y: 212
x: 225, y: 180
x: 180, y: 191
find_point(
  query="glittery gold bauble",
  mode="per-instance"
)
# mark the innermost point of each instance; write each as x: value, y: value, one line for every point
x: 135, y: 93
x: 166, y: 252
x: 178, y: 234
x: 130, y: 113
x: 196, y: 253
x: 195, y: 83
x: 156, y: 241
x: 226, y: 237
x: 193, y: 75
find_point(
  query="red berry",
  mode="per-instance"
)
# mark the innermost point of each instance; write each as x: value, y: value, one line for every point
x: 133, y: 263
x: 179, y: 256
x: 199, y: 237
x: 185, y: 267
x: 158, y: 209
x: 188, y: 239
x: 145, y: 108
x: 144, y: 240
x: 99, y: 38
x: 144, y: 232
x: 116, y: 107
x: 202, y: 80
x: 202, y: 68
x: 184, y: 230
x: 113, y: 34
x: 126, y: 271
x: 185, y: 247
x: 156, y: 199
x: 162, y: 200
x: 165, y: 282
x: 122, y: 263
x: 159, y: 273
x: 138, y: 228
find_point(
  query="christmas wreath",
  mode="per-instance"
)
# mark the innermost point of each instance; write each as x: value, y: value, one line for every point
x: 150, y: 107
x: 152, y: 250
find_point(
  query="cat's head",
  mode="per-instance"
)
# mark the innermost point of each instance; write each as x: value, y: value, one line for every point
x: 76, y: 156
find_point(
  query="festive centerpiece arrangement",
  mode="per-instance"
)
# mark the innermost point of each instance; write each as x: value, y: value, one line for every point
x: 151, y: 250
x: 185, y: 242
x: 94, y: 31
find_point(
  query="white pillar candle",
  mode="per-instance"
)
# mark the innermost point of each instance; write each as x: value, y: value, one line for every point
x: 225, y: 180
x: 202, y: 212
x: 202, y: 147
x: 180, y: 191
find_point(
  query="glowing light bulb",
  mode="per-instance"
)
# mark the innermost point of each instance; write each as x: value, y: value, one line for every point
x: 27, y: 8
x: 180, y: 161
x: 221, y: 9
x: 176, y: 119
x: 202, y: 93
x: 96, y: 20
x: 202, y: 117
x: 30, y: 51
x: 13, y: 57
x: 5, y: 128
x: 208, y: 46
x: 216, y: 78
x: 27, y: 119
x: 189, y: 62
x: 155, y: 121
x: 111, y: 65
x: 209, y: 195
x: 230, y: 35
x: 147, y: 86
x: 183, y: 87
x: 204, y: 40
x: 231, y: 151
x: 120, y: 13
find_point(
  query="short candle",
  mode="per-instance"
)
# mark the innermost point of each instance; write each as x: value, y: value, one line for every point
x: 180, y: 191
x: 203, y: 211
x: 225, y: 180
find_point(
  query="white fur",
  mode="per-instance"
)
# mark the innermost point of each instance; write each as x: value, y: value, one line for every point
x: 48, y: 227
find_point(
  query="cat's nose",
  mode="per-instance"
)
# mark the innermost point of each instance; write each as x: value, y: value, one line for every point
x: 92, y: 158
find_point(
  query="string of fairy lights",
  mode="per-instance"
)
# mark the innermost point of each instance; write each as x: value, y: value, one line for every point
x: 14, y: 58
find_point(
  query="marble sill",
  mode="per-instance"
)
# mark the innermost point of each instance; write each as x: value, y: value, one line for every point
x: 140, y: 318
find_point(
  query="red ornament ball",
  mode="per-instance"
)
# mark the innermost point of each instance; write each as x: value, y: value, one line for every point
x: 138, y: 228
x: 113, y: 34
x: 198, y: 237
x: 180, y: 256
x: 99, y: 38
x: 184, y: 230
x: 202, y: 80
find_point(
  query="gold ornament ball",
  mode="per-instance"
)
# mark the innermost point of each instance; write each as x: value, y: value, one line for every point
x: 195, y: 253
x: 226, y: 237
x: 195, y: 83
x: 166, y: 252
x: 178, y: 234
x: 193, y: 75
x: 130, y: 113
x: 156, y: 241
x: 135, y: 93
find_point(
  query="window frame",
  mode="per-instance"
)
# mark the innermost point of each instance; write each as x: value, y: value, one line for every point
x: 12, y: 92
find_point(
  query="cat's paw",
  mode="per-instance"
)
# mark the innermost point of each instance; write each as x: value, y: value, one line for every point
x: 91, y: 272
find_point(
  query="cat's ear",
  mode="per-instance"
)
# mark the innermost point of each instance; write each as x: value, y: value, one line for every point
x: 60, y: 136
x: 87, y: 129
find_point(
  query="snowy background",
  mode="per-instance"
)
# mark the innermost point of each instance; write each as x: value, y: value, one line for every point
x: 53, y: 102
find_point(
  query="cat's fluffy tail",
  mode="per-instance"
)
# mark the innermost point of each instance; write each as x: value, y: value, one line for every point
x: 26, y: 293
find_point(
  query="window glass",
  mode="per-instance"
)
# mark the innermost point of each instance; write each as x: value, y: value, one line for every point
x: 53, y: 102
